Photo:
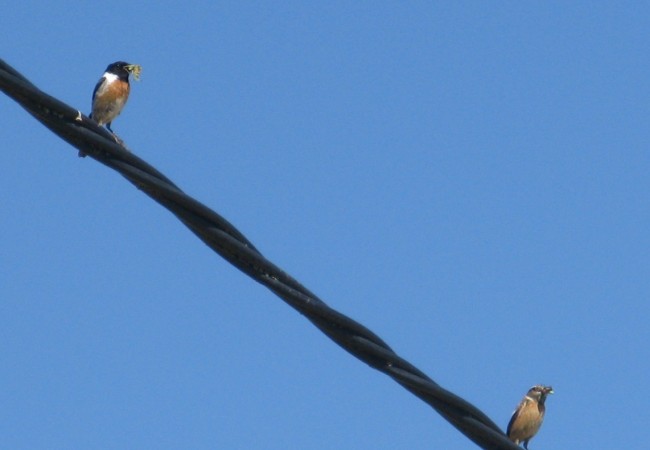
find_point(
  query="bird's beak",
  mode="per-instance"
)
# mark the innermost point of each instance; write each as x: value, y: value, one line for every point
x: 549, y: 390
x: 135, y: 70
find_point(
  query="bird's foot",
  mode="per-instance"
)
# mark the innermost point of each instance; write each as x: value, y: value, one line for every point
x: 120, y: 142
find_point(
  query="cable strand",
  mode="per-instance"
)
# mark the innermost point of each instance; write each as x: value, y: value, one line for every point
x: 222, y: 237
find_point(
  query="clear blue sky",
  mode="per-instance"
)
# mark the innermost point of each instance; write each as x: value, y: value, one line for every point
x: 467, y: 179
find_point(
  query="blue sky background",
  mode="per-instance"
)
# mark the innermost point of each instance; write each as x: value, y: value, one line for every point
x: 467, y: 179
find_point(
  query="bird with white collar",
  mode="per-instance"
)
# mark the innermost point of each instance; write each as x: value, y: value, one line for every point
x: 111, y: 93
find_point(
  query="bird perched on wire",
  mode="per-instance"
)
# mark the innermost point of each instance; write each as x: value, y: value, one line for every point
x: 111, y: 93
x: 528, y: 416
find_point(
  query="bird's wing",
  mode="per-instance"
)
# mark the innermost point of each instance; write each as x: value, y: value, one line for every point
x: 515, y: 414
x: 98, y: 87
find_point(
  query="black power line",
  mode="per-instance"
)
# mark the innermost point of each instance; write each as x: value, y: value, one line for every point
x: 227, y: 241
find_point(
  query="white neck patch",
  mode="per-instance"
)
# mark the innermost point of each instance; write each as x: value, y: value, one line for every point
x: 110, y: 77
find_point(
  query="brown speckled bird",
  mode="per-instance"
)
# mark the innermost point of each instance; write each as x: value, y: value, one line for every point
x: 528, y: 416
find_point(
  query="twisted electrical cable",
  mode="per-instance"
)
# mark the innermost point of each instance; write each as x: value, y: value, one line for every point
x: 232, y: 245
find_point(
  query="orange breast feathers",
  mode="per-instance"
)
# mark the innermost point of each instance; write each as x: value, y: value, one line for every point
x: 109, y: 100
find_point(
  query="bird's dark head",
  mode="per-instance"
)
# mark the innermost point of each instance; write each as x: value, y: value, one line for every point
x: 119, y: 68
x: 123, y: 69
x: 539, y: 392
